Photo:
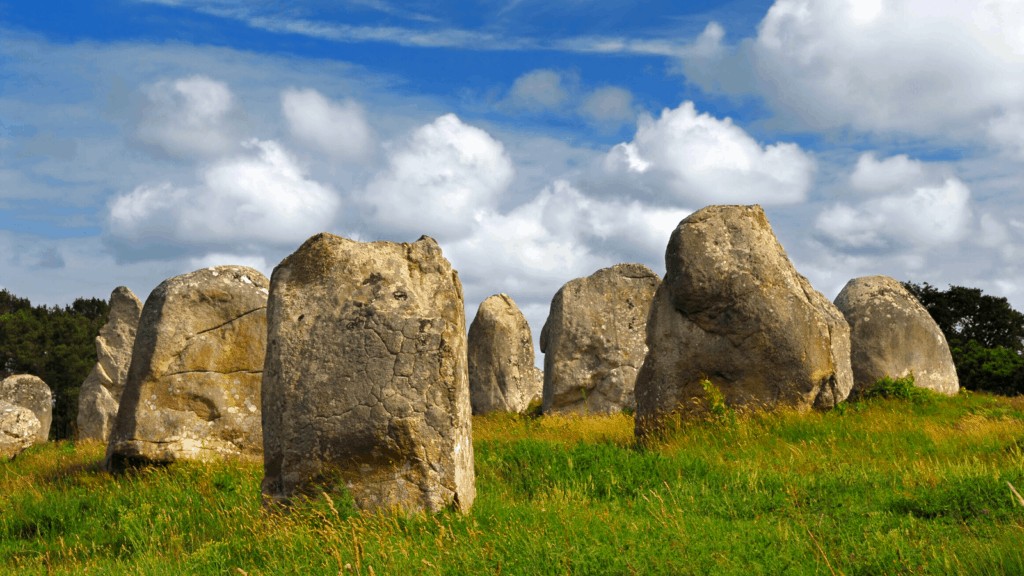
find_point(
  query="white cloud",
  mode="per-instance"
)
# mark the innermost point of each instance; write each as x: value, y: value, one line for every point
x: 929, y: 68
x: 873, y: 176
x: 440, y: 181
x: 1007, y: 131
x: 259, y: 199
x: 223, y: 259
x: 609, y: 104
x: 538, y: 91
x: 696, y: 159
x: 550, y: 92
x: 904, y: 205
x: 188, y: 117
x: 339, y: 130
x: 559, y: 235
x: 562, y: 233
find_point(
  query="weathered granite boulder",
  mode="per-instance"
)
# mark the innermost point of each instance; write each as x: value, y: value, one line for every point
x: 19, y: 429
x: 100, y: 394
x: 891, y: 334
x: 593, y: 340
x: 366, y: 384
x: 193, y: 388
x: 30, y: 392
x: 502, y: 377
x: 734, y: 311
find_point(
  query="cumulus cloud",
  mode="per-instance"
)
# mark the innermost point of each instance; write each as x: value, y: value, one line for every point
x: 695, y: 159
x: 558, y: 235
x: 610, y: 104
x: 550, y: 92
x: 188, y: 118
x: 890, y: 174
x: 1007, y: 132
x: 259, y: 199
x: 538, y: 90
x: 223, y: 258
x: 338, y: 129
x: 441, y: 181
x: 903, y: 205
x: 923, y: 67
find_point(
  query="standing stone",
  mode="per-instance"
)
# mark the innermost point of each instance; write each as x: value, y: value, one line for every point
x: 892, y: 334
x: 193, y: 388
x: 19, y: 429
x: 366, y: 385
x: 733, y: 311
x: 593, y: 340
x: 502, y: 377
x: 100, y: 394
x: 30, y: 392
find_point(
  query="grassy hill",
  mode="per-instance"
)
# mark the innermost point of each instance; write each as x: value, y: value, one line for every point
x: 883, y: 486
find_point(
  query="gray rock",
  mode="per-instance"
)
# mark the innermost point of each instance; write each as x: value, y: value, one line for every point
x: 19, y: 429
x: 502, y: 375
x: 366, y: 384
x: 733, y: 310
x: 193, y: 388
x: 100, y: 394
x: 892, y: 334
x: 30, y: 392
x: 593, y: 340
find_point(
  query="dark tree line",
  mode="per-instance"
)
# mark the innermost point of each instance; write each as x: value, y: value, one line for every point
x: 985, y: 335
x: 55, y: 343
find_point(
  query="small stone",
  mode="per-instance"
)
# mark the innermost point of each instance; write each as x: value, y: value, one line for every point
x: 892, y: 334
x: 19, y: 429
x: 502, y: 375
x: 593, y: 340
x: 30, y: 392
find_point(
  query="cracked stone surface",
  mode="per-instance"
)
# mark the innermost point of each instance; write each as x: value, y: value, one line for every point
x: 19, y: 429
x: 193, y: 389
x: 892, y: 334
x: 593, y: 340
x: 30, y: 392
x: 734, y: 310
x: 502, y: 375
x: 101, y: 391
x: 365, y: 386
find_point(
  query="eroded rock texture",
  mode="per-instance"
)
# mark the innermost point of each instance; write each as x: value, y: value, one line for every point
x: 19, y: 429
x: 502, y: 377
x: 100, y: 394
x: 366, y: 384
x: 732, y: 309
x: 193, y: 388
x: 891, y: 334
x: 30, y: 392
x: 593, y: 340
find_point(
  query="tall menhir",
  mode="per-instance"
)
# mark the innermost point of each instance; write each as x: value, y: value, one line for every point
x: 365, y: 386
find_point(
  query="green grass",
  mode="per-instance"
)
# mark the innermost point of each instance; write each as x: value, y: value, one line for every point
x: 884, y: 486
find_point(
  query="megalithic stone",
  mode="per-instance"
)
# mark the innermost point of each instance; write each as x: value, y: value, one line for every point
x: 365, y: 389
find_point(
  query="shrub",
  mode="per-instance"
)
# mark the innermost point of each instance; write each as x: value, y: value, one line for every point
x: 897, y: 389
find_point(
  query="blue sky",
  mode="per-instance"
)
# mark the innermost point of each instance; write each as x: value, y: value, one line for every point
x: 537, y: 141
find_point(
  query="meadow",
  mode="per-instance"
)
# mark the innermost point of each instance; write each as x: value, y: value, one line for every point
x: 919, y: 485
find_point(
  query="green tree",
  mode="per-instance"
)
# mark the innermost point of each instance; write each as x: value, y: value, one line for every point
x: 985, y: 335
x: 54, y: 343
x: 966, y: 314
